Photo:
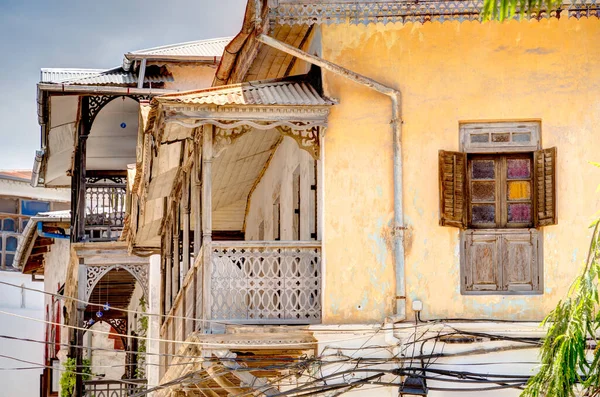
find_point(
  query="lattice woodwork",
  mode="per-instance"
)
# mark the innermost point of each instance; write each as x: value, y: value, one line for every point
x: 95, y: 273
x: 266, y: 284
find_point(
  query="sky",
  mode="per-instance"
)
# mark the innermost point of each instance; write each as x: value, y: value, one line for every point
x: 37, y: 34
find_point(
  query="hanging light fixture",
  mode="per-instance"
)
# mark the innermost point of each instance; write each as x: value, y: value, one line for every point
x: 413, y: 386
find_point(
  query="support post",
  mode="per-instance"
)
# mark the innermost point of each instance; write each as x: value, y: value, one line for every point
x: 176, y: 278
x: 186, y: 225
x: 81, y: 283
x: 78, y: 175
x: 197, y: 194
x: 207, y: 155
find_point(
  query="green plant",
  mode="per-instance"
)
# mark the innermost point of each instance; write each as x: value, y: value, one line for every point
x: 571, y: 326
x: 67, y: 379
x: 142, y: 330
x: 506, y: 9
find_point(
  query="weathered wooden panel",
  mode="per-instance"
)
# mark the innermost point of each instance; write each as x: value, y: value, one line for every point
x: 482, y: 254
x: 545, y: 186
x: 519, y: 261
x: 453, y: 176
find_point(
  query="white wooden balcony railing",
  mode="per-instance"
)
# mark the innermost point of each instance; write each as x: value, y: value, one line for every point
x: 248, y: 282
x: 113, y: 388
x: 104, y: 210
x: 265, y: 282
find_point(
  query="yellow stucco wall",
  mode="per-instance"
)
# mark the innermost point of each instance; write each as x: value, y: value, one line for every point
x: 448, y: 73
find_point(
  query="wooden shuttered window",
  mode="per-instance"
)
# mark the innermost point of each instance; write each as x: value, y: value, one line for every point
x: 501, y: 261
x: 544, y: 166
x: 456, y: 202
x: 453, y: 200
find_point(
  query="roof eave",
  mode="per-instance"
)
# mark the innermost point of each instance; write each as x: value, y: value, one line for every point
x: 100, y: 89
x: 129, y: 58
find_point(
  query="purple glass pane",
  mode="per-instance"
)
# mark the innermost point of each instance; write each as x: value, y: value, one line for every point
x: 484, y: 213
x: 483, y: 169
x: 518, y: 168
x: 484, y: 191
x: 519, y: 213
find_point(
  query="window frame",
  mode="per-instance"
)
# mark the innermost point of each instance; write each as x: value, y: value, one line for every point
x: 501, y: 200
x: 504, y: 150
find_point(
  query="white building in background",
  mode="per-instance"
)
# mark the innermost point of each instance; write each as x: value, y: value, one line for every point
x: 18, y: 203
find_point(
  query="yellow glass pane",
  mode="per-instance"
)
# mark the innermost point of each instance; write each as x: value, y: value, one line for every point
x: 519, y: 190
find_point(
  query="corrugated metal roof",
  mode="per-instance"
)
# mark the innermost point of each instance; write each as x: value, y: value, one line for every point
x: 57, y: 75
x: 24, y: 175
x: 199, y: 48
x: 116, y: 76
x: 289, y: 92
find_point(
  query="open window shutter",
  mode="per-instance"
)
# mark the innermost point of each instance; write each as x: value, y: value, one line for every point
x: 545, y: 187
x: 520, y: 270
x: 482, y: 253
x: 453, y: 181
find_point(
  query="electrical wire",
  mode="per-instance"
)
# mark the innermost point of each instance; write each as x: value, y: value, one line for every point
x: 169, y: 316
x: 190, y: 343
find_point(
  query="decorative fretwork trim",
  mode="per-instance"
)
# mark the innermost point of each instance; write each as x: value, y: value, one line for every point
x: 408, y: 11
x: 95, y: 273
x: 306, y: 134
x: 97, y: 102
x: 307, y: 139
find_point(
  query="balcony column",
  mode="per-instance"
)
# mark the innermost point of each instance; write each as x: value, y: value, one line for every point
x: 207, y: 157
x: 78, y: 175
x: 80, y: 315
x: 186, y: 224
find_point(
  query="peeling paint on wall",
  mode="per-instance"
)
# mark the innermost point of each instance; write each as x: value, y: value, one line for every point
x: 450, y: 73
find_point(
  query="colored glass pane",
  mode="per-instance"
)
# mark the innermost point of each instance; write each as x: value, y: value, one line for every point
x: 8, y: 225
x: 503, y: 137
x: 519, y: 213
x: 479, y: 138
x: 519, y: 190
x: 483, y: 191
x: 9, y: 259
x: 483, y: 169
x: 11, y: 243
x: 518, y: 168
x: 484, y: 213
x: 521, y: 137
x: 30, y: 207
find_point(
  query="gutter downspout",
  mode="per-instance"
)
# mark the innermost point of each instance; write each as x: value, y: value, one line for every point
x: 141, y: 74
x: 44, y: 234
x: 37, y: 165
x: 396, y: 122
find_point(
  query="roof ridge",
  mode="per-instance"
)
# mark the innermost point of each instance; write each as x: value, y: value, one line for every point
x: 175, y: 45
x: 251, y: 84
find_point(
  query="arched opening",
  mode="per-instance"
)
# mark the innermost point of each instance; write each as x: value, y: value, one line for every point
x: 111, y: 147
x: 115, y: 288
x: 111, y: 144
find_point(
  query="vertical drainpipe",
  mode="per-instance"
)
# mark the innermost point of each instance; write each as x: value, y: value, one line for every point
x: 142, y: 74
x: 396, y: 122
